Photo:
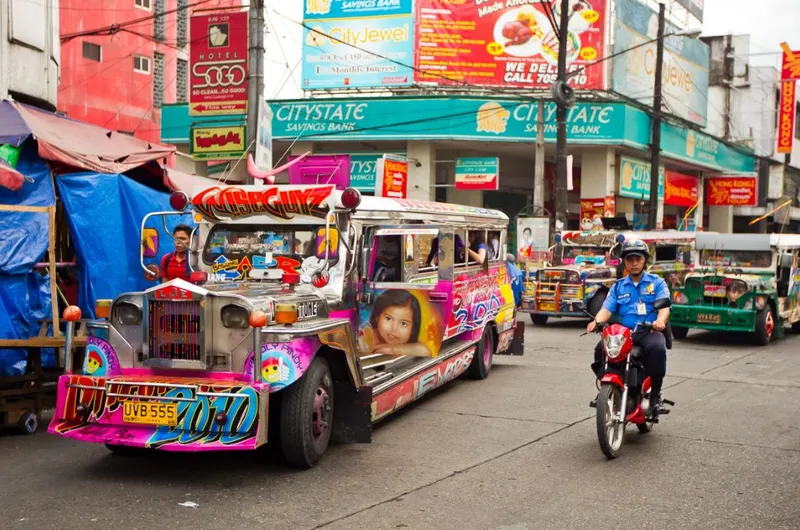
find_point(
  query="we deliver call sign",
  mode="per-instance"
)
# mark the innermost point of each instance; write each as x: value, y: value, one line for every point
x: 508, y: 43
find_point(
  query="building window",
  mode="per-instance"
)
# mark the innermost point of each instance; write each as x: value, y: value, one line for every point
x: 141, y: 64
x: 143, y: 4
x: 183, y: 18
x: 92, y: 51
x: 160, y: 21
x: 182, y: 81
x: 158, y: 80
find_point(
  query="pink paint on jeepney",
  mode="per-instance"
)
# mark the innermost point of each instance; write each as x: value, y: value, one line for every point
x: 283, y: 363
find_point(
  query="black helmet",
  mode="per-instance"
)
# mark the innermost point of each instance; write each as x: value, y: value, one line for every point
x: 635, y: 247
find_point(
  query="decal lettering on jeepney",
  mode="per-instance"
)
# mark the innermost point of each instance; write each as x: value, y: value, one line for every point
x: 217, y: 203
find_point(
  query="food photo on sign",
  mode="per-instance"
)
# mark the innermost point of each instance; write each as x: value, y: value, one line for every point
x: 508, y: 44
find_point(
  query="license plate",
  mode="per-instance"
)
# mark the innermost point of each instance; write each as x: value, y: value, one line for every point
x: 715, y: 291
x: 150, y: 413
x: 709, y: 319
x: 547, y: 306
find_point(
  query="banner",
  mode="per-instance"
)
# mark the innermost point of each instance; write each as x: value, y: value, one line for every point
x: 218, y: 143
x: 263, y: 158
x: 477, y: 173
x: 790, y: 67
x: 685, y: 67
x: 786, y: 117
x: 731, y: 191
x: 324, y: 9
x: 218, y: 64
x: 332, y: 58
x: 680, y: 190
x: 695, y: 7
x: 391, y: 177
x: 634, y: 179
x: 507, y: 44
x: 321, y: 169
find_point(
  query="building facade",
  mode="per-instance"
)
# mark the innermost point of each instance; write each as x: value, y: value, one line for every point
x: 29, y: 52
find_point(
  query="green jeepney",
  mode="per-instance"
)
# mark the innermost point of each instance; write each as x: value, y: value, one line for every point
x: 742, y: 283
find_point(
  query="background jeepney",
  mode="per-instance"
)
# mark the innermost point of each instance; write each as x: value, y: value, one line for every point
x: 585, y: 265
x: 742, y: 283
x: 312, y: 313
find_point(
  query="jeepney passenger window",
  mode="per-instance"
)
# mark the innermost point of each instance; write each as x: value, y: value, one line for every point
x: 460, y: 248
x: 477, y: 242
x: 387, y: 267
x: 666, y: 253
x: 495, y: 245
x: 427, y: 252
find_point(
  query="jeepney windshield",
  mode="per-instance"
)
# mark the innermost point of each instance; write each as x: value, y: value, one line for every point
x: 572, y: 253
x: 736, y: 258
x: 240, y: 241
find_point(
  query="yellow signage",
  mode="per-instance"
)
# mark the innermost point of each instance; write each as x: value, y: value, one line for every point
x: 220, y: 143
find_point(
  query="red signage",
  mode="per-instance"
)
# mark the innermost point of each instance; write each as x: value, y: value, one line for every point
x: 173, y: 293
x: 506, y: 43
x: 731, y: 191
x: 218, y: 62
x: 282, y: 202
x: 790, y: 69
x: 394, y: 181
x: 786, y: 117
x: 680, y: 189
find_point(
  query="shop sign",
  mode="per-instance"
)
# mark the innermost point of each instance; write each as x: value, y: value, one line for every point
x: 695, y: 7
x: 786, y: 117
x: 594, y: 210
x: 699, y: 148
x: 218, y: 143
x: 685, y: 66
x: 325, y: 9
x: 481, y: 173
x: 731, y: 191
x: 680, y: 190
x: 634, y: 179
x: 218, y: 64
x: 507, y: 43
x: 321, y: 169
x: 391, y: 177
x: 331, y: 58
x: 790, y: 67
x: 363, y: 168
x: 533, y: 239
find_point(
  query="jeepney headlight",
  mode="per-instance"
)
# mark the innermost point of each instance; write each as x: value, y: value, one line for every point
x: 679, y: 298
x: 761, y: 302
x: 127, y: 314
x: 234, y: 316
x: 735, y: 290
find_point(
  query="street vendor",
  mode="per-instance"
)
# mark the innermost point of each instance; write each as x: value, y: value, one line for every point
x: 174, y: 264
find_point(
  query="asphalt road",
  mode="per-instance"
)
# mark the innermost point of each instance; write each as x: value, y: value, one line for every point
x: 516, y: 451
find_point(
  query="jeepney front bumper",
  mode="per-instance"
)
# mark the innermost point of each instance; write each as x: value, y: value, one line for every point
x: 165, y: 413
x: 713, y: 318
x: 554, y: 299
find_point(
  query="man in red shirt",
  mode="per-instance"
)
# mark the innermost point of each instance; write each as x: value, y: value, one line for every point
x: 175, y: 264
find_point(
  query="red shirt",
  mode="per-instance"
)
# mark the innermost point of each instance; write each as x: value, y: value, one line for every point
x: 175, y: 269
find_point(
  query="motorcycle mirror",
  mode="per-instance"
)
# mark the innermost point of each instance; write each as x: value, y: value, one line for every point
x: 662, y: 303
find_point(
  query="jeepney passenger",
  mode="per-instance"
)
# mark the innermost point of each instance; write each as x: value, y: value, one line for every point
x: 387, y: 266
x: 477, y: 247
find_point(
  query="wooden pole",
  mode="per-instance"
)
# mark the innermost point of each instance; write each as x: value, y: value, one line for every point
x: 22, y: 208
x: 52, y: 253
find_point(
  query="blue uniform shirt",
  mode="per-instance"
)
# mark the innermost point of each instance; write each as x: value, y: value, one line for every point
x: 624, y: 297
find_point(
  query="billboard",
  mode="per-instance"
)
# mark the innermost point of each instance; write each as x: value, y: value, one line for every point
x: 511, y: 44
x: 685, y: 66
x: 680, y: 189
x: 391, y: 177
x: 218, y: 64
x: 320, y: 9
x: 226, y: 142
x: 358, y: 52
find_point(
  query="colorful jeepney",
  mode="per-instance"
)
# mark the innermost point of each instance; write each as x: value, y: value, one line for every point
x: 310, y: 314
x: 742, y: 283
x: 584, y: 266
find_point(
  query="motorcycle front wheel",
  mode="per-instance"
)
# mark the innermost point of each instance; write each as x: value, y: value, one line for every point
x: 610, y: 432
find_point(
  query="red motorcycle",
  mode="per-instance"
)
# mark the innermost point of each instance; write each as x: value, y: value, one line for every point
x: 624, y: 395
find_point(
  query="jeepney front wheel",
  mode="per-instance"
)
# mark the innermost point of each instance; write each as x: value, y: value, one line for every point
x: 765, y: 325
x: 307, y: 416
x: 679, y: 332
x: 539, y: 320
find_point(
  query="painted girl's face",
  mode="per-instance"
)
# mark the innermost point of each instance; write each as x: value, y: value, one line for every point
x: 395, y: 324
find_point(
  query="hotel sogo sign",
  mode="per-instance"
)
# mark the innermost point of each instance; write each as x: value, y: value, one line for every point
x: 218, y: 64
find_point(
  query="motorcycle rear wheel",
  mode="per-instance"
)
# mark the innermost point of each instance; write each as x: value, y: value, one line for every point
x: 610, y: 433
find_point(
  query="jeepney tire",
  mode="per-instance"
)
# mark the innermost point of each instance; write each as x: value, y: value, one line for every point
x: 762, y: 337
x: 300, y: 447
x: 596, y: 303
x: 539, y: 320
x: 482, y: 360
x: 679, y: 333
x: 796, y: 327
x: 28, y: 422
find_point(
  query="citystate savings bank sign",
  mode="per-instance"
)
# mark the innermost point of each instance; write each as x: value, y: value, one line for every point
x: 444, y: 118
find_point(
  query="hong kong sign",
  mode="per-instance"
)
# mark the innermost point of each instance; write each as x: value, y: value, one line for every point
x: 218, y: 59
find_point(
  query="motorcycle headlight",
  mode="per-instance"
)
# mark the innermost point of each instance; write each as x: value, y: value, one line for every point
x: 127, y: 314
x: 613, y: 345
x: 234, y: 316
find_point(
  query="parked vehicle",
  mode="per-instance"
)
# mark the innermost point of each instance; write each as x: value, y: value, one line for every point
x: 743, y: 283
x: 585, y: 265
x: 624, y: 396
x: 311, y: 313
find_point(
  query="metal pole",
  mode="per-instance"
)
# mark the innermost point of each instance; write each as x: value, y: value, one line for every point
x: 561, y: 116
x: 655, y: 145
x: 538, y: 171
x: 256, y: 73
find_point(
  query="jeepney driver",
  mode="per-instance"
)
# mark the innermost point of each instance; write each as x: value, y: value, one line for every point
x: 175, y: 264
x: 631, y: 298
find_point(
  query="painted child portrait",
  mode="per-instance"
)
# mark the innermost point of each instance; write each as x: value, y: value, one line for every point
x: 395, y: 325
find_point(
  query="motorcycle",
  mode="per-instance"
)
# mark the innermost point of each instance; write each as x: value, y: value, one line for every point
x: 623, y: 386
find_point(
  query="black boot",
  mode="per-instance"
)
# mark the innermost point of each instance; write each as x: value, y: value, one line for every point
x: 655, y: 396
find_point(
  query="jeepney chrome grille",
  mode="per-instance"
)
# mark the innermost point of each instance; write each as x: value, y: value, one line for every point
x: 175, y: 330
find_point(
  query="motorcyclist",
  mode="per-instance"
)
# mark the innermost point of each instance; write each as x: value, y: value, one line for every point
x: 631, y: 298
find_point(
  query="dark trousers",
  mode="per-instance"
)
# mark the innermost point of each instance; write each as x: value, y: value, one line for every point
x: 654, y: 356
